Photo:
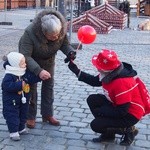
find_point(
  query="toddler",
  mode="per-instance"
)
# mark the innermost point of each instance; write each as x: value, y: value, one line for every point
x: 16, y: 93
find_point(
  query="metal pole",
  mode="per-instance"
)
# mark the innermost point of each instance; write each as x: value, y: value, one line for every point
x: 5, y: 10
x: 61, y: 7
x: 36, y: 10
x: 79, y: 7
x: 118, y: 3
x: 36, y: 3
x: 56, y: 4
x: 71, y: 19
x: 5, y: 14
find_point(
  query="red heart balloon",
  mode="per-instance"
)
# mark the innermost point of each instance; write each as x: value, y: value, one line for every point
x: 86, y: 34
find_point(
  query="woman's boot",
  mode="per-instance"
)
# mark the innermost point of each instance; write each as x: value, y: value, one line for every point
x: 129, y: 136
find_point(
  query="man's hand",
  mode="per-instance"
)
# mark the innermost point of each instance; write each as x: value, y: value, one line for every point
x: 73, y: 67
x: 44, y: 75
x: 71, y: 56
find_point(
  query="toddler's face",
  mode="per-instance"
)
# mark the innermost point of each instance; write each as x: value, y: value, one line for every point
x: 22, y: 63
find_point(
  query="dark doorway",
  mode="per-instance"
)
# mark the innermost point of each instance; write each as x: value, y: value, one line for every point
x: 8, y: 4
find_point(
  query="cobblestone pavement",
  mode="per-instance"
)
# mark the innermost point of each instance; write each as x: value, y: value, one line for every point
x: 70, y: 95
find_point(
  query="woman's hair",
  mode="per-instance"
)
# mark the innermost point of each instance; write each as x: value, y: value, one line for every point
x: 50, y: 24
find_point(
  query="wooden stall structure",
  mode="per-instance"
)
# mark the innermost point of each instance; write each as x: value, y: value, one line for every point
x: 2, y: 5
x: 88, y: 19
x: 26, y: 3
x: 110, y: 14
x: 13, y: 4
x: 10, y: 4
x: 113, y: 3
x: 143, y: 7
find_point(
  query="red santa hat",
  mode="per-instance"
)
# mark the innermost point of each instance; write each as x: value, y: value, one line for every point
x: 106, y: 60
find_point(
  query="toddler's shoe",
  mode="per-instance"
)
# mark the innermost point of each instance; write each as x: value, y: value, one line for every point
x: 24, y: 131
x: 15, y: 136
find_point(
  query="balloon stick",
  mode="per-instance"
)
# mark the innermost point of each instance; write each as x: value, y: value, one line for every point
x: 78, y: 46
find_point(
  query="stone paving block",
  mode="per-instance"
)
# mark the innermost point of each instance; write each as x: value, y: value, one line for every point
x: 76, y: 142
x: 141, y: 125
x: 84, y: 105
x: 63, y: 108
x: 61, y: 104
x: 47, y: 126
x: 74, y: 105
x: 2, y: 121
x: 54, y: 146
x: 37, y: 132
x: 71, y: 118
x: 89, y: 115
x: 88, y: 137
x: 13, y: 148
x: 86, y: 120
x: 2, y: 146
x: 83, y: 102
x: 70, y: 101
x: 65, y: 97
x: 68, y: 129
x: 58, y: 140
x: 27, y: 137
x: 96, y: 146
x: 115, y: 147
x: 34, y: 145
x: 78, y: 124
x: 9, y: 142
x: 79, y: 115
x: 135, y: 148
x: 76, y: 136
x: 85, y: 131
x: 77, y: 110
x: 146, y: 120
x: 1, y: 116
x: 148, y: 137
x: 76, y: 147
x: 142, y: 143
x: 36, y: 148
x: 145, y: 131
x: 1, y: 139
x: 64, y: 122
x: 65, y: 113
x: 3, y: 127
x: 4, y: 134
x: 53, y: 133
x: 141, y: 136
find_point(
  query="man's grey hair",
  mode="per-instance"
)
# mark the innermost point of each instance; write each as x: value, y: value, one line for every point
x: 50, y: 24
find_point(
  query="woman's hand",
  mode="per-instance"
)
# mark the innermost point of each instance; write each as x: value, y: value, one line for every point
x: 44, y: 75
